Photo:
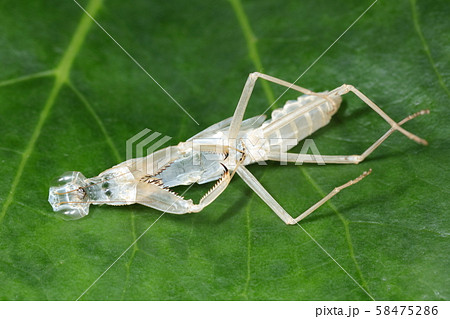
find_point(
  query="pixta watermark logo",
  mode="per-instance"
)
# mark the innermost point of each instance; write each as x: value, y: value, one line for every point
x: 149, y: 144
x: 143, y: 147
x: 143, y: 144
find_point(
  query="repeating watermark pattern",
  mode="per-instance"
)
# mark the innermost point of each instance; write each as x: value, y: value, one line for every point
x: 146, y: 144
x: 149, y: 140
x: 143, y: 149
x: 304, y: 148
x: 137, y: 150
x: 309, y: 144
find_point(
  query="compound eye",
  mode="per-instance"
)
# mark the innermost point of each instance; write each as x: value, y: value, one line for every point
x: 68, y: 196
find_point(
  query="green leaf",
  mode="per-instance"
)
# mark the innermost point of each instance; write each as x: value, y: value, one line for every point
x: 70, y: 98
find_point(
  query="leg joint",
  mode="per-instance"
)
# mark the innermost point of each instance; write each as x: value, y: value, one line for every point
x: 349, y: 87
x: 345, y: 88
x: 355, y: 159
x: 291, y: 222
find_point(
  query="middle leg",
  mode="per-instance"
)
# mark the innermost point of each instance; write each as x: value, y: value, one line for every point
x: 256, y: 186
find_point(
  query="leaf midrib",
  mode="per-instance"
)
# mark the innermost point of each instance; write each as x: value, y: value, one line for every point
x: 254, y: 56
x: 61, y: 72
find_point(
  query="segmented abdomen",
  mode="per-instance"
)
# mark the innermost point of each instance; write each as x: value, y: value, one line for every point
x: 296, y: 120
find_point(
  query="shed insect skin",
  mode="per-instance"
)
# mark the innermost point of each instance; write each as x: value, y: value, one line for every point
x: 230, y: 145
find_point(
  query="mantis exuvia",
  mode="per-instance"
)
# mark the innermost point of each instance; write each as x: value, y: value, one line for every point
x: 217, y: 153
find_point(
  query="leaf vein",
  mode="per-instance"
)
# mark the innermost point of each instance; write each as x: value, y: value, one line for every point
x: 426, y: 48
x: 256, y: 60
x: 27, y: 77
x: 344, y: 222
x: 62, y: 73
x: 98, y: 121
x: 252, y: 48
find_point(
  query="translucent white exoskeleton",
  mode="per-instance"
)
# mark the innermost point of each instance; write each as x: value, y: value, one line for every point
x: 217, y: 153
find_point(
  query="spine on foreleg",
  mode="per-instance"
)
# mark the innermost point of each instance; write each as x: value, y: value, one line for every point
x: 297, y: 120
